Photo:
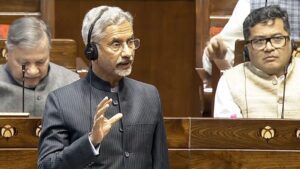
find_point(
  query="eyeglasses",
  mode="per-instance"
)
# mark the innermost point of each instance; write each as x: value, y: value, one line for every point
x: 261, y: 43
x: 118, y: 46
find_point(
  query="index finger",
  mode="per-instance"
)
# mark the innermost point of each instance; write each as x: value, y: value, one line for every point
x: 115, y: 118
x: 103, y: 102
x: 215, y: 44
x: 221, y: 43
x: 211, y: 52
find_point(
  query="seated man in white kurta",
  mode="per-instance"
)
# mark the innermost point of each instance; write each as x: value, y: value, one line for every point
x: 268, y: 85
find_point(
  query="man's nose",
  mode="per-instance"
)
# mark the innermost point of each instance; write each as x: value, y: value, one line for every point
x: 32, y: 70
x: 126, y: 50
x: 269, y: 46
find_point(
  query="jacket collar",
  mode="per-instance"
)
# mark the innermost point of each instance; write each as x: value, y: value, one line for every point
x: 100, y: 84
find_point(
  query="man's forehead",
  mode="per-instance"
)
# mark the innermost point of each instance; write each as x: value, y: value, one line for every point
x: 273, y: 26
x: 122, y: 30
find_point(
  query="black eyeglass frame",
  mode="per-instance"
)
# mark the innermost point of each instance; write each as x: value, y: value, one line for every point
x: 269, y: 39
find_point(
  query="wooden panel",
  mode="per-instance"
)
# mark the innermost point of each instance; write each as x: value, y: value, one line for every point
x: 177, y: 132
x: 222, y: 7
x: 14, y: 9
x: 48, y: 14
x: 63, y: 52
x: 18, y: 158
x: 238, y: 52
x: 19, y: 5
x: 243, y: 159
x: 202, y: 35
x: 19, y: 151
x: 8, y: 19
x: 218, y: 21
x: 166, y: 57
x: 179, y: 159
x: 244, y: 134
x: 25, y: 132
x: 220, y: 11
x: 236, y: 144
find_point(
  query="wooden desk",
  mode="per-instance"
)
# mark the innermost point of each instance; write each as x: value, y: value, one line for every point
x: 194, y: 143
x: 20, y: 150
x: 233, y: 144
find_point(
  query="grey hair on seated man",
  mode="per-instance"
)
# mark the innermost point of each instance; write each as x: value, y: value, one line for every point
x: 28, y: 61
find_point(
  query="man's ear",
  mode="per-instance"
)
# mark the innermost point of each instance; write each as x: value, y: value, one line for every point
x: 294, y: 45
x: 295, y: 50
x: 4, y: 53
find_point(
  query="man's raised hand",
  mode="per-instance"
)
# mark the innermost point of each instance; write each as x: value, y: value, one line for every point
x: 102, y: 125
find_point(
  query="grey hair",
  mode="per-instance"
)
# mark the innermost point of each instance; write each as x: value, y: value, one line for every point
x: 26, y: 32
x: 111, y: 16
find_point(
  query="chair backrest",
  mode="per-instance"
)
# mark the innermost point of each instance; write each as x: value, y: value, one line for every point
x: 239, y: 52
x: 63, y: 52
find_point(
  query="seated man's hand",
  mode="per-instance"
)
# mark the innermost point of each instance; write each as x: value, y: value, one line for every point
x: 216, y: 48
x: 102, y: 125
x: 215, y: 51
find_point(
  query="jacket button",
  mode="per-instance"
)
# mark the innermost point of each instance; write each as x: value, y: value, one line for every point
x: 115, y: 102
x: 126, y: 154
x: 121, y: 130
x: 279, y: 101
x: 274, y: 82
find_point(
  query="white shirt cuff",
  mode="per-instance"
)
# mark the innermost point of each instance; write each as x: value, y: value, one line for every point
x: 94, y: 149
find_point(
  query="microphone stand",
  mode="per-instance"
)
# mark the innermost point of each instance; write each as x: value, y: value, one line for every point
x: 284, y: 84
x: 23, y: 88
x: 283, y: 97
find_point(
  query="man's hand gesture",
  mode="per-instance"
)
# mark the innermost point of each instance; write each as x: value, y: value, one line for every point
x: 102, y: 125
x: 216, y: 48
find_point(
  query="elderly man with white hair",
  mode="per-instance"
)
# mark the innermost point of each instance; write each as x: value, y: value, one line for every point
x: 106, y: 120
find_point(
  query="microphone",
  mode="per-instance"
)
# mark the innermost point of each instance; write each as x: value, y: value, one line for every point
x: 283, y: 93
x: 23, y: 88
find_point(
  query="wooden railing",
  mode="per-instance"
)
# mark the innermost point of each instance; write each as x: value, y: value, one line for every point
x: 197, y: 143
x: 193, y: 143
